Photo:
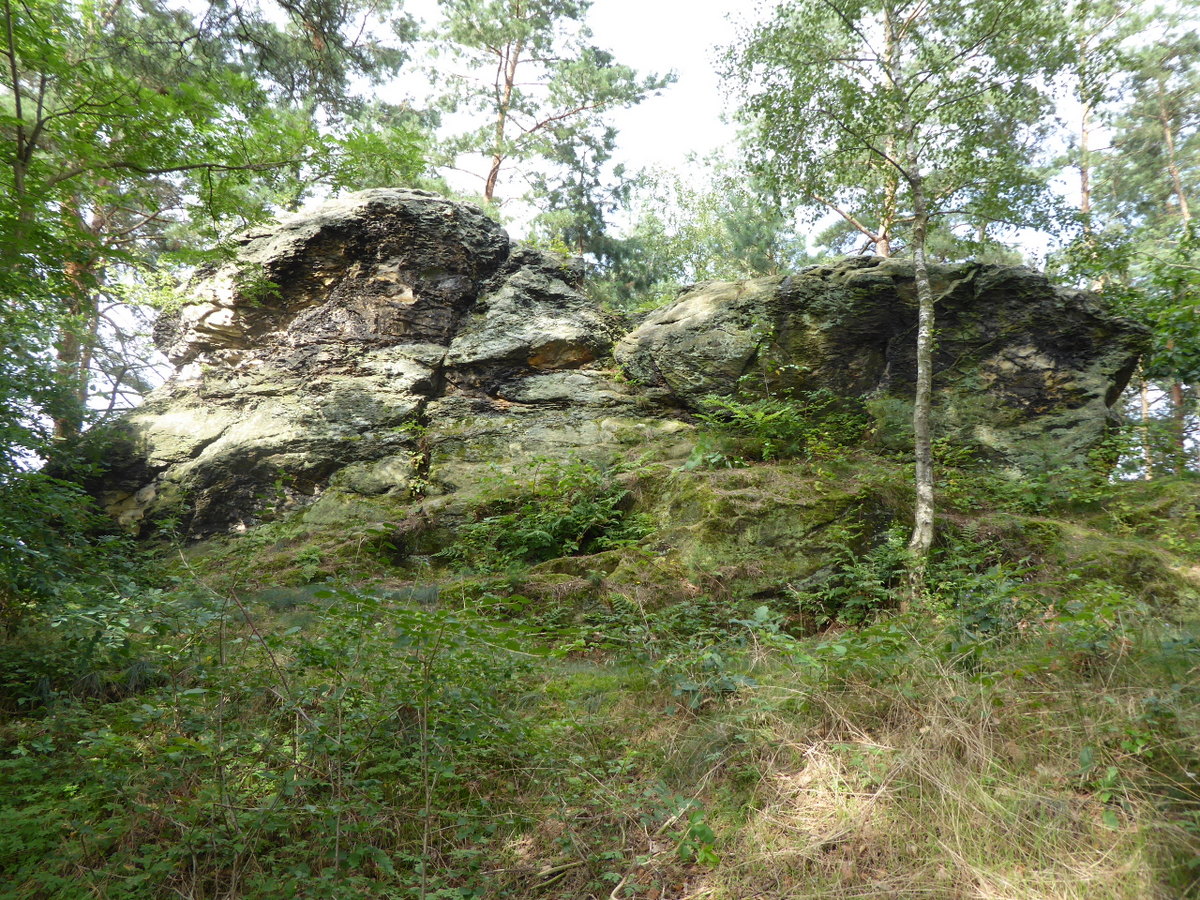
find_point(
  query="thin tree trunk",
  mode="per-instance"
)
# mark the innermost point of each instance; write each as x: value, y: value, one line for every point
x: 73, y: 350
x: 1179, y: 428
x: 891, y: 188
x: 506, y: 79
x: 891, y: 184
x: 22, y: 146
x: 78, y: 337
x: 1147, y: 448
x: 1172, y: 155
x: 888, y: 221
x: 1085, y: 168
x: 921, y: 541
x: 1178, y: 413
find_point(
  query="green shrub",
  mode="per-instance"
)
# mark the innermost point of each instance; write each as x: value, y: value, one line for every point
x: 812, y: 424
x: 51, y: 535
x: 67, y: 595
x: 366, y: 752
x: 860, y: 580
x: 562, y: 509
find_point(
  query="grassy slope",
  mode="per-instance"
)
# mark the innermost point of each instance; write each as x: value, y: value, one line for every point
x: 716, y: 699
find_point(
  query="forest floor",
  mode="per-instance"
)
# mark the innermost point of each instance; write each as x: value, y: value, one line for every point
x: 304, y: 714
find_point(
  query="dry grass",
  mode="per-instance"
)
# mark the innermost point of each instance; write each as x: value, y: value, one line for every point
x: 936, y: 793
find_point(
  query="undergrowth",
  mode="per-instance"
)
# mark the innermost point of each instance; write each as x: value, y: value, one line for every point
x: 812, y: 424
x: 1029, y: 731
x: 559, y: 509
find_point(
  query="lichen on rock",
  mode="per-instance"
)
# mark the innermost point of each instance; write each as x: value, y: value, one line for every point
x: 395, y: 347
x: 1024, y: 370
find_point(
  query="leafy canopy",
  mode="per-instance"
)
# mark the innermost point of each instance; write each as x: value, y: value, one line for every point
x: 848, y: 101
x: 535, y: 88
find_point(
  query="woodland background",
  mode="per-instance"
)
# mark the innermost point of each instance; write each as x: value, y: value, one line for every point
x: 210, y: 722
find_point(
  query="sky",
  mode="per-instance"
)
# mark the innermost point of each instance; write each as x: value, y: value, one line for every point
x: 664, y: 35
x: 658, y: 36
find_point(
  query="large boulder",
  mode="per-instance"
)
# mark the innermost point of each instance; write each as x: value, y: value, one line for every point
x: 396, y: 346
x: 1025, y: 372
x: 355, y: 345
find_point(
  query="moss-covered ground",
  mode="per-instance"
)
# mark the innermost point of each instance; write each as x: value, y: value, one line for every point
x: 660, y: 680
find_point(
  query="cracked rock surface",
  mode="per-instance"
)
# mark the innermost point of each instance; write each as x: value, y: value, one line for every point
x: 396, y: 344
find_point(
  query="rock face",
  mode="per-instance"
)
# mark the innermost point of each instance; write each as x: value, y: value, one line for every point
x: 395, y: 344
x: 389, y: 343
x: 1024, y: 371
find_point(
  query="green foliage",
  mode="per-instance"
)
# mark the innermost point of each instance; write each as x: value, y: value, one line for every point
x: 875, y: 654
x: 1170, y: 306
x: 578, y: 190
x: 712, y: 224
x: 415, y: 740
x: 852, y: 106
x: 968, y: 483
x: 698, y: 843
x: 808, y: 424
x: 702, y: 673
x: 1147, y: 274
x: 382, y: 146
x: 558, y: 509
x: 31, y: 393
x: 1137, y: 242
x: 51, y: 538
x: 256, y: 286
x: 862, y: 578
x: 540, y: 102
x: 105, y: 641
x: 118, y: 151
x: 1151, y: 169
x: 385, y: 717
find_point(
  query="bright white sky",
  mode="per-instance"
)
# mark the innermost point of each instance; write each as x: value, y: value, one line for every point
x: 658, y: 36
x: 663, y: 35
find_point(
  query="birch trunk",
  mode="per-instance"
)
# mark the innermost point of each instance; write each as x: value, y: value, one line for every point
x: 923, y: 515
x: 1147, y: 446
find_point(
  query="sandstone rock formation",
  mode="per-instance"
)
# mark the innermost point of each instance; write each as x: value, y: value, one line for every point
x: 1026, y: 372
x: 393, y: 344
x: 388, y: 341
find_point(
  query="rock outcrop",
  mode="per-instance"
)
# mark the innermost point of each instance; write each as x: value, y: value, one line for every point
x: 395, y: 344
x: 1026, y: 372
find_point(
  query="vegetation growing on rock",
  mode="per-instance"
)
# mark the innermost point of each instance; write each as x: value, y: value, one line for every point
x: 430, y: 574
x: 682, y: 674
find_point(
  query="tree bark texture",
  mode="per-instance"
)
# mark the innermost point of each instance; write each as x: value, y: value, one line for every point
x: 923, y: 514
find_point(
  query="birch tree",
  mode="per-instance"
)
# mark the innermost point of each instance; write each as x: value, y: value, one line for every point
x: 887, y: 112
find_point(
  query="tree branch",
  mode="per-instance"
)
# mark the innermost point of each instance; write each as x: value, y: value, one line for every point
x: 857, y: 225
x: 167, y: 170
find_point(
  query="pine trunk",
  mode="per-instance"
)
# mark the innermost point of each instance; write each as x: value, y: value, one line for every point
x: 1179, y: 428
x: 506, y: 80
x: 1173, y: 165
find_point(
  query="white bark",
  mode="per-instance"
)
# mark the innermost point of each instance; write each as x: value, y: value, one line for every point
x: 923, y: 515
